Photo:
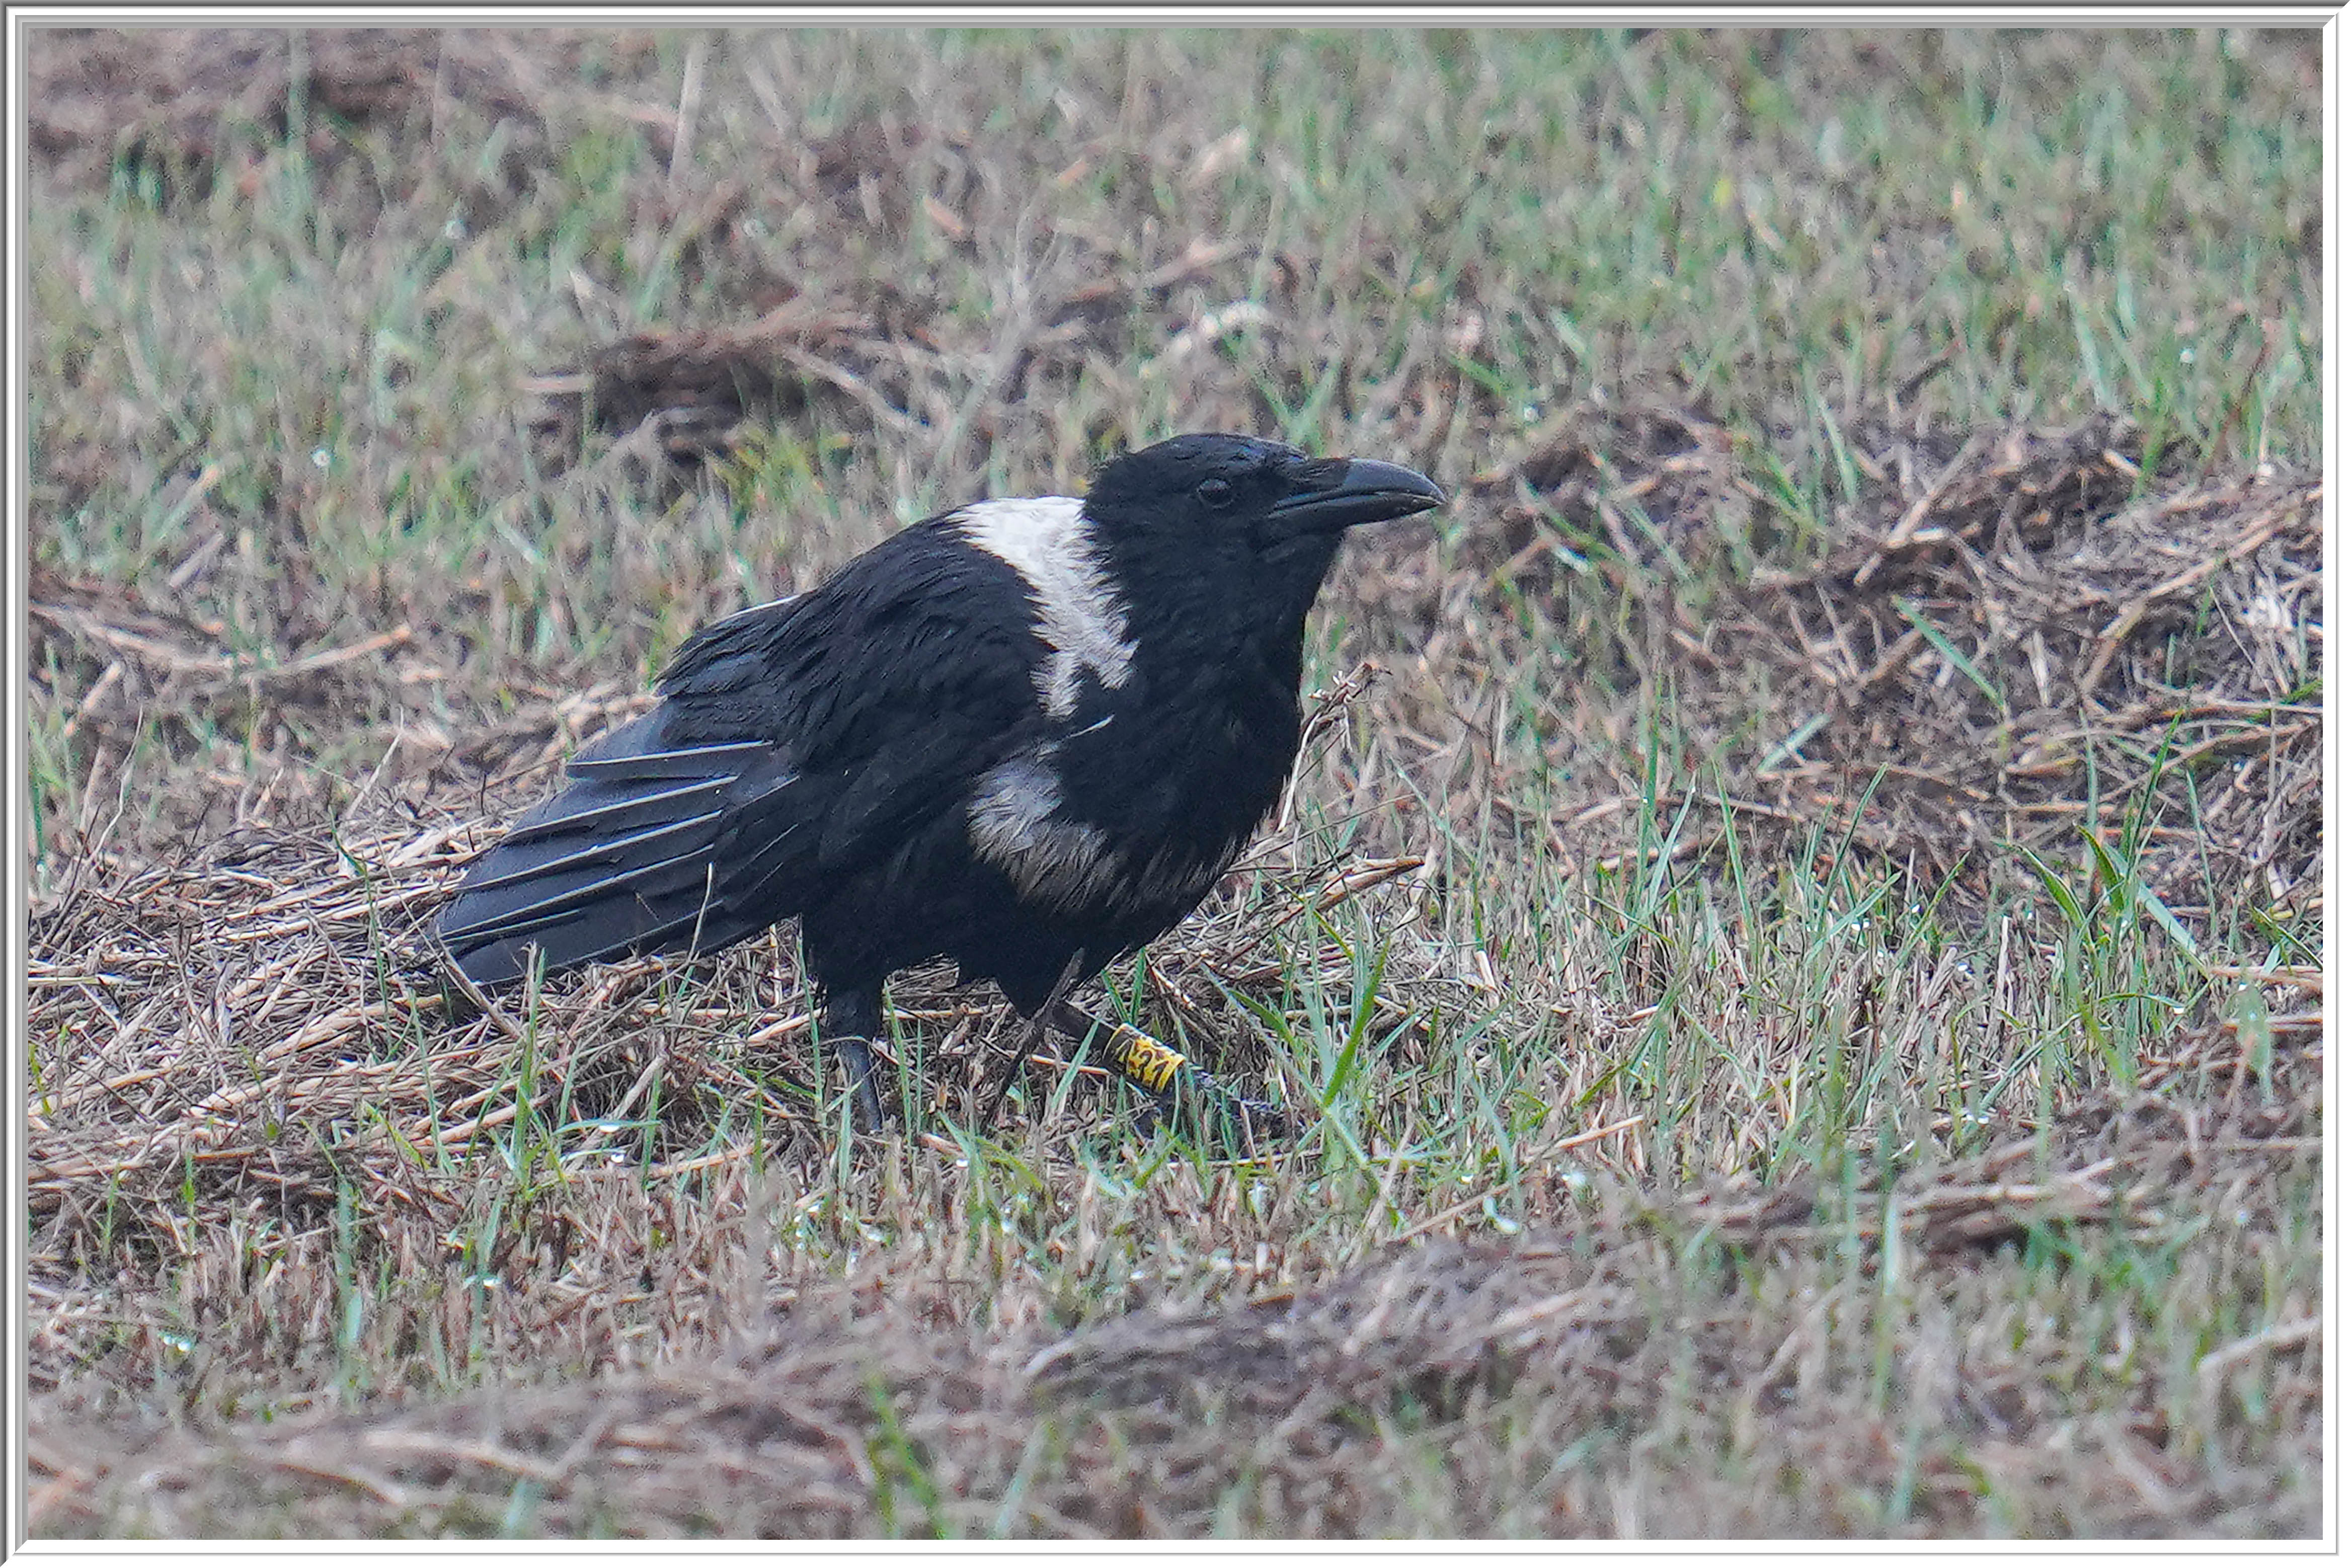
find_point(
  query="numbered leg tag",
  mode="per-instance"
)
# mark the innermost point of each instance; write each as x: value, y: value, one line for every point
x: 1146, y: 1060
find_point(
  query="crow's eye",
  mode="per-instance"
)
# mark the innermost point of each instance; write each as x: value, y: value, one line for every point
x: 1215, y: 495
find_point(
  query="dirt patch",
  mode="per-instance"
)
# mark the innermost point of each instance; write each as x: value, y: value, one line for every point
x: 696, y: 387
x: 179, y: 98
x: 867, y: 354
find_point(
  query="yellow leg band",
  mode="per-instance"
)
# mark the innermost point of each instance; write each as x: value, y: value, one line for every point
x: 1144, y: 1061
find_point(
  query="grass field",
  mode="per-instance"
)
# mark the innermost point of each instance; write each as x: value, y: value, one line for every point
x: 1795, y: 944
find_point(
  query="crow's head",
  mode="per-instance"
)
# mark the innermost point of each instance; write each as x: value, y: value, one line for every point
x: 1264, y: 515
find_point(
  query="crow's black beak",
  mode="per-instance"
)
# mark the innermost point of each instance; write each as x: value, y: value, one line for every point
x: 1332, y: 493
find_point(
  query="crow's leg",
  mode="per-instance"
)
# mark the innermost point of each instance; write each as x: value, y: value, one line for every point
x: 1032, y: 1029
x: 1173, y: 1082
x: 852, y: 1020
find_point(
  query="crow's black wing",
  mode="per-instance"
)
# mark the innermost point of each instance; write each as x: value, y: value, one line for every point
x: 796, y: 743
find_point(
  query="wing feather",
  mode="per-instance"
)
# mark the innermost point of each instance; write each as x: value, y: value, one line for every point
x: 796, y: 746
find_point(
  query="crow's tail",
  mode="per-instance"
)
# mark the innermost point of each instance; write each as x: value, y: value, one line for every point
x: 624, y: 860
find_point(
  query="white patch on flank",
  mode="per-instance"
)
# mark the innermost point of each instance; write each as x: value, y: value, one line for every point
x: 1048, y: 542
x: 1058, y: 863
x: 1064, y: 864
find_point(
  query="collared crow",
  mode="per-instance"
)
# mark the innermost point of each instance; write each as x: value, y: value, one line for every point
x: 1025, y: 734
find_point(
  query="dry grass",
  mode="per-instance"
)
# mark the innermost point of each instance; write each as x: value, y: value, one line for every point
x: 2004, y: 636
x: 1393, y: 1398
x: 1793, y: 950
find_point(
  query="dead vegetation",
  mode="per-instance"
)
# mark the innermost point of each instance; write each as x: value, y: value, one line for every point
x: 316, y: 1249
x: 247, y: 1056
x: 279, y: 1014
x: 2007, y: 633
x: 178, y: 99
x: 2162, y: 650
x: 891, y: 1404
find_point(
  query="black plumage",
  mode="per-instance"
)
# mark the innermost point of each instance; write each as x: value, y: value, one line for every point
x: 1027, y: 735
